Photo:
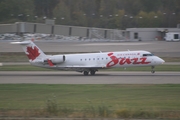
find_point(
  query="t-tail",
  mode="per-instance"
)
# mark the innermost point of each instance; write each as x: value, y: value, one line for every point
x: 37, y: 57
x: 32, y: 51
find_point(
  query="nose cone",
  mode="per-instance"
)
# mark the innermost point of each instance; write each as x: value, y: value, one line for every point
x: 161, y: 61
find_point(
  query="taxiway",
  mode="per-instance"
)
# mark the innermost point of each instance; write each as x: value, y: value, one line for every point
x: 102, y: 77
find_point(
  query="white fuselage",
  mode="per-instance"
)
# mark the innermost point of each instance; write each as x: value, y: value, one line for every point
x: 104, y: 60
x: 89, y: 62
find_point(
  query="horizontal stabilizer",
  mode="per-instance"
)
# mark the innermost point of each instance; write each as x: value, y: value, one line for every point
x: 21, y: 43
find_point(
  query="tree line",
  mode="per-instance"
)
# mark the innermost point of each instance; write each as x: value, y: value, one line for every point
x: 116, y: 14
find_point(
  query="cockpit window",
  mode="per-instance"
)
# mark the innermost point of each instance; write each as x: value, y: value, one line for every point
x: 148, y: 55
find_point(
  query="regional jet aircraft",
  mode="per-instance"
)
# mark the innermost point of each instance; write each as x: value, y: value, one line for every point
x: 89, y: 63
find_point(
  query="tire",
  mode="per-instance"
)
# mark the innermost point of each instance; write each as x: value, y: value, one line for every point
x: 86, y: 73
x: 92, y: 72
x: 152, y: 71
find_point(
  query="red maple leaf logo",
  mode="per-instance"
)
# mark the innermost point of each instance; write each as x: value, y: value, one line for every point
x: 33, y: 53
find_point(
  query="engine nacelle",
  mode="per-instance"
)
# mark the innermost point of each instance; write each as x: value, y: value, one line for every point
x: 57, y: 59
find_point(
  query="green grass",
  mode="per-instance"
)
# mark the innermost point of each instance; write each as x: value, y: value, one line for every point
x: 115, y: 100
x: 165, y: 97
x: 33, y: 68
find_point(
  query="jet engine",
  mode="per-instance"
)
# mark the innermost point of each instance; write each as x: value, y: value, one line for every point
x: 57, y: 59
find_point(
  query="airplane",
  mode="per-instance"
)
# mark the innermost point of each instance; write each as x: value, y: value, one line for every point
x: 89, y: 63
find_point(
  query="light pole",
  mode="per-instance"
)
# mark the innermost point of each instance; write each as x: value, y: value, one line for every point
x: 173, y: 19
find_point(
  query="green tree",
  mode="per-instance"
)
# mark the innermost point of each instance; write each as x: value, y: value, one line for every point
x: 142, y: 19
x: 45, y: 7
x: 78, y: 17
x: 16, y: 10
x: 94, y: 13
x: 119, y: 19
x: 61, y: 14
x: 150, y: 5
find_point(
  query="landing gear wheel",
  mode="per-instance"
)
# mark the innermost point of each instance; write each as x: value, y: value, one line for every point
x: 92, y: 72
x: 152, y: 71
x: 86, y: 73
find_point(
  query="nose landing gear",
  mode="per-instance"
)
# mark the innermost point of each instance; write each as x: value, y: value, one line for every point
x: 152, y: 69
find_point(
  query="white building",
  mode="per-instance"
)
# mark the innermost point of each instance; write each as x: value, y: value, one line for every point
x: 146, y: 34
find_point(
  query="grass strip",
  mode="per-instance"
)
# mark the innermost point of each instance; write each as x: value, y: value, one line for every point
x: 114, y: 101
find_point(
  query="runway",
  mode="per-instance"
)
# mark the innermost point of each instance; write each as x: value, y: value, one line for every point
x: 159, y: 48
x: 101, y: 77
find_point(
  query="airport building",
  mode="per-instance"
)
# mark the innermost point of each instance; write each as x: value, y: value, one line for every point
x: 130, y: 34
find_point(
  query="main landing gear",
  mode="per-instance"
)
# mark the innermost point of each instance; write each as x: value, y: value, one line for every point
x: 152, y: 69
x: 92, y: 72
